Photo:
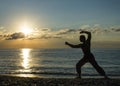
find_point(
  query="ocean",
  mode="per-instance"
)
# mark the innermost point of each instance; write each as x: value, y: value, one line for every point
x: 57, y: 63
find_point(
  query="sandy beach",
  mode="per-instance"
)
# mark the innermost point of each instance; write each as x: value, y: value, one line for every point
x: 35, y: 81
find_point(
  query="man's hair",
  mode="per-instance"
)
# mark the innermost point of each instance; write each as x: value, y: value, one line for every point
x: 82, y: 36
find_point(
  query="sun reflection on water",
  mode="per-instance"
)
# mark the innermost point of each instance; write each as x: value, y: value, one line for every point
x: 25, y: 63
x: 26, y: 56
x: 26, y: 59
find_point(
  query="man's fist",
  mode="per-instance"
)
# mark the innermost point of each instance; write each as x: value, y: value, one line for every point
x: 66, y: 43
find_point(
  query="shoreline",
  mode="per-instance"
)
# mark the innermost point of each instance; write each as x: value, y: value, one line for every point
x: 6, y: 80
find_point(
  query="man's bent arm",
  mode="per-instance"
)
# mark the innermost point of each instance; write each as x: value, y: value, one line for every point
x: 88, y: 33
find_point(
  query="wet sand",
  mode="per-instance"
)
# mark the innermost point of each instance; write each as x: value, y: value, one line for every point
x: 35, y: 81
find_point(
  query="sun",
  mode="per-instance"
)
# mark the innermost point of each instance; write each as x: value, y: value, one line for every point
x: 26, y: 29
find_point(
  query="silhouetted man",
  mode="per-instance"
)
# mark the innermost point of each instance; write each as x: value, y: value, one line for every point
x: 88, y: 56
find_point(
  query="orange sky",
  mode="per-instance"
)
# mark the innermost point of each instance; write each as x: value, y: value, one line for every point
x: 51, y: 43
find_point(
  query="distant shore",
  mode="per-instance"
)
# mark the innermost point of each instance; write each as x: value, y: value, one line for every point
x: 35, y: 81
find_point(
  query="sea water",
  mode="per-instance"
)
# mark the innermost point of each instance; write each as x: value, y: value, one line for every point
x: 56, y: 63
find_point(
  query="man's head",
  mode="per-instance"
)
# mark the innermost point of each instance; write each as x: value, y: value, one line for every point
x: 82, y: 38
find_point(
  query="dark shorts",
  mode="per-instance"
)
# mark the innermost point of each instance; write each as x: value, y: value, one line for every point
x: 87, y: 58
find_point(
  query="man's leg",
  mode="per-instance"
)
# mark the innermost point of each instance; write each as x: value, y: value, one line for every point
x: 79, y: 65
x: 97, y: 67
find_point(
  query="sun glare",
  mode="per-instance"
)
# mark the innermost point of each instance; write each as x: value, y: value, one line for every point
x: 26, y: 29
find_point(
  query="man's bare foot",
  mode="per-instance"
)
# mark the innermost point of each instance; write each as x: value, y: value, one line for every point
x: 78, y: 77
x: 106, y: 77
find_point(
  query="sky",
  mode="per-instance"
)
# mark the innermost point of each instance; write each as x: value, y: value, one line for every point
x: 49, y: 23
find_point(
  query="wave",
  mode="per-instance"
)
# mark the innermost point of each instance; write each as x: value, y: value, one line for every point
x: 44, y: 73
x: 58, y: 73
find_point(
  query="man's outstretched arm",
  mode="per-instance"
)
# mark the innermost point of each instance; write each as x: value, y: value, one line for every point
x: 73, y: 46
x: 88, y: 33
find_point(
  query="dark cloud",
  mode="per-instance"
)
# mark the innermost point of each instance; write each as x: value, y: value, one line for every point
x: 46, y: 29
x: 115, y: 29
x: 16, y: 36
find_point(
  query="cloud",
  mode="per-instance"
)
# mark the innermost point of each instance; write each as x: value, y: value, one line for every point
x: 1, y: 27
x: 65, y: 31
x: 49, y: 33
x: 97, y: 29
x: 115, y: 29
x: 45, y: 29
x: 2, y: 30
x: 16, y: 36
x: 85, y: 27
x: 43, y: 33
x: 50, y: 36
